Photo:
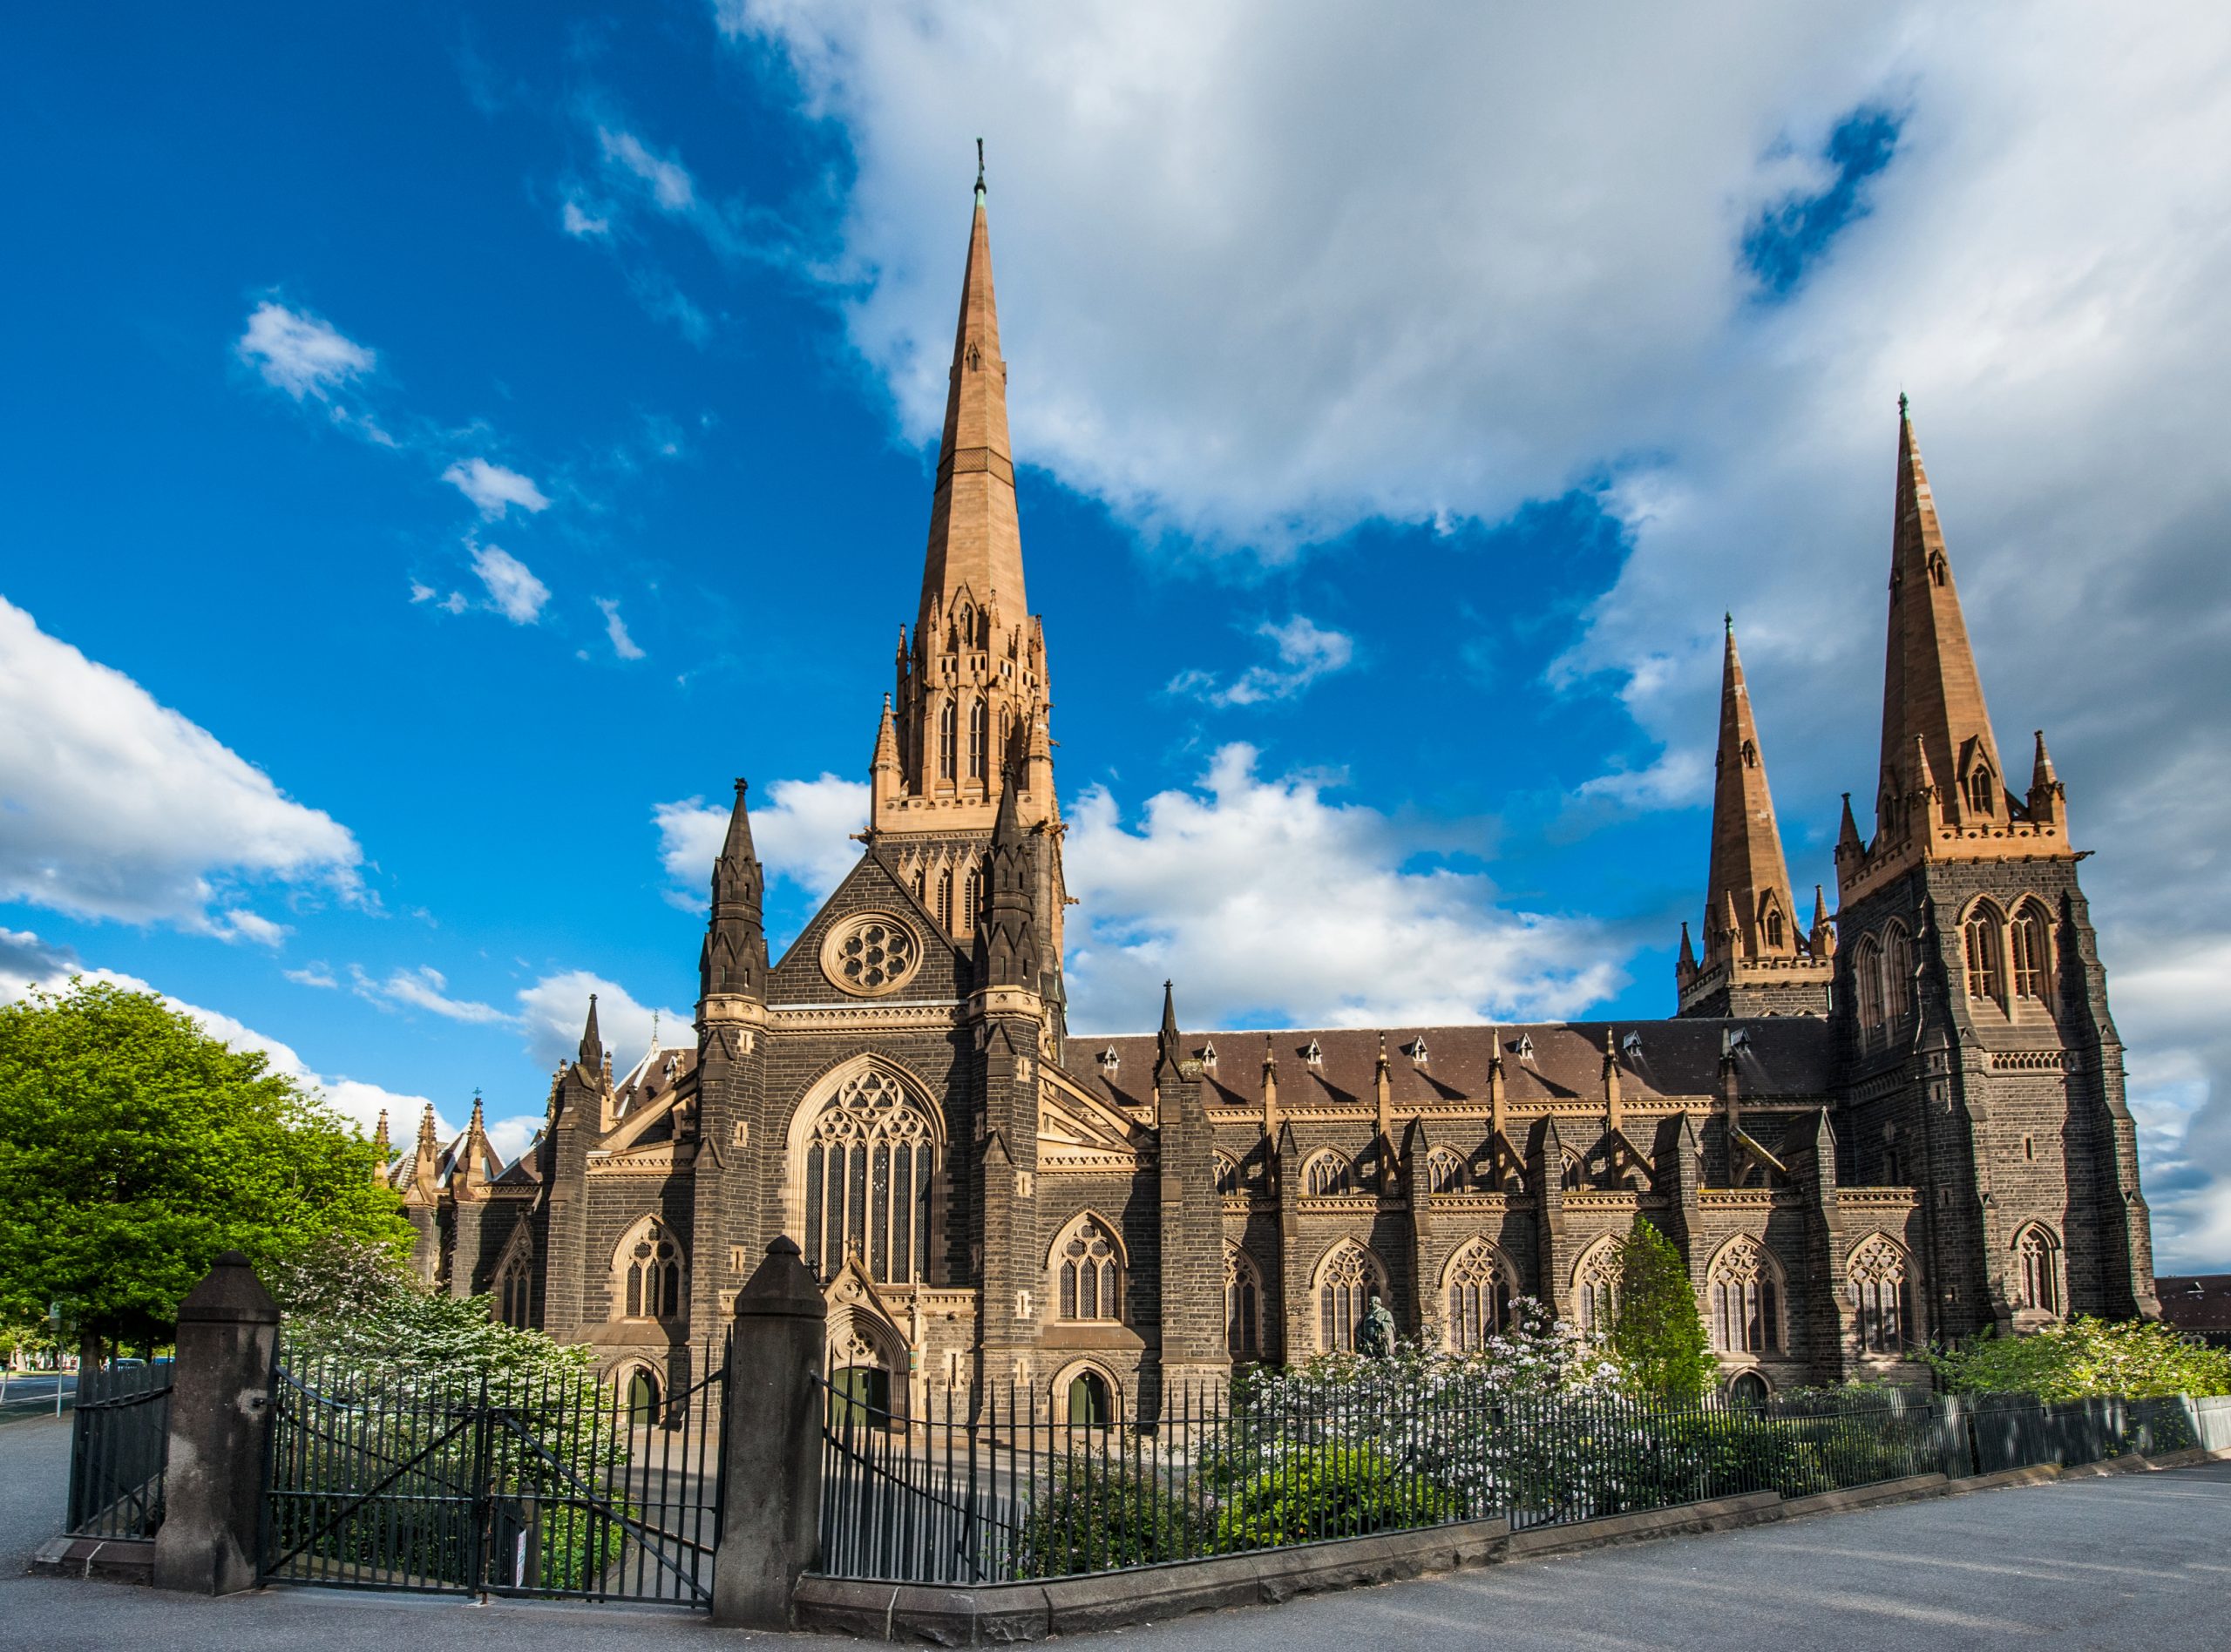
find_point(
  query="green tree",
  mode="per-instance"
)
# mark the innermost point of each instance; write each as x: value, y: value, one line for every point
x: 1658, y: 1335
x: 134, y: 1148
x: 2087, y: 1358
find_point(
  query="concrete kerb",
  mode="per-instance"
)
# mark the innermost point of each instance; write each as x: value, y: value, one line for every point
x: 949, y: 1614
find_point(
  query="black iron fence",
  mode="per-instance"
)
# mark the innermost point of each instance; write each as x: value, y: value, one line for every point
x: 995, y: 1485
x: 120, y: 1440
x: 550, y: 1485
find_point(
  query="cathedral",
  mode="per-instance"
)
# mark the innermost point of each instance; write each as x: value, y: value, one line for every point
x: 1900, y: 1121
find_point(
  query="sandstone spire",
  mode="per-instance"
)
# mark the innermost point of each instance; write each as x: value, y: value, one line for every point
x: 1931, y: 692
x: 1748, y: 874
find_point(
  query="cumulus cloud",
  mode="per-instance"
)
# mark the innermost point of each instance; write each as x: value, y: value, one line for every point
x: 300, y: 354
x: 1263, y: 900
x: 1290, y: 267
x: 581, y: 222
x: 424, y: 988
x: 494, y: 489
x: 27, y: 962
x: 554, y: 1008
x: 319, y: 974
x: 1304, y: 651
x: 114, y: 806
x: 615, y: 630
x: 803, y: 830
x: 517, y: 595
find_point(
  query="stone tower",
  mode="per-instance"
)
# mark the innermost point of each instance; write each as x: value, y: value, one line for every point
x: 967, y: 719
x: 1982, y: 1065
x: 1756, y: 961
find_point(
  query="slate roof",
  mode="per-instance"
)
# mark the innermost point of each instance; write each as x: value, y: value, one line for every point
x: 1542, y: 1062
x: 2195, y: 1302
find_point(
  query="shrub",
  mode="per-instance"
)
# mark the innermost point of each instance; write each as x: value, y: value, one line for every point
x: 2087, y: 1358
x: 1101, y: 1513
x: 1657, y: 1334
x: 1328, y: 1491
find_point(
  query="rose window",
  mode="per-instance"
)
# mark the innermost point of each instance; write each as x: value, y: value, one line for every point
x: 871, y: 954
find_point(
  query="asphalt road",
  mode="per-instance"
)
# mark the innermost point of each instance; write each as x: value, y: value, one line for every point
x: 2133, y: 1561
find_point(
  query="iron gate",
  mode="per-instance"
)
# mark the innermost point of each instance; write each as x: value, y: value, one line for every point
x: 572, y: 1485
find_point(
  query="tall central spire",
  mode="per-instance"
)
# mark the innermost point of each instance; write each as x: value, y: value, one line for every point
x: 975, y: 535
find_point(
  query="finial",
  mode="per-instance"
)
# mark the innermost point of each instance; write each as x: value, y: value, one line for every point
x: 1901, y: 404
x: 979, y: 166
x: 1729, y: 618
x: 654, y: 1029
x: 741, y: 784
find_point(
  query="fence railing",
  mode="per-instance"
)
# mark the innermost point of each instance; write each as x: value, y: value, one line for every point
x: 119, y: 1440
x: 996, y: 1485
x: 558, y: 1483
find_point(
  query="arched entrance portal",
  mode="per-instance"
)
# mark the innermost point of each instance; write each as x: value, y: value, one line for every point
x: 862, y: 1395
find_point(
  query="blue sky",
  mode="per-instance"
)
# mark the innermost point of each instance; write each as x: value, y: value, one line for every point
x: 449, y: 444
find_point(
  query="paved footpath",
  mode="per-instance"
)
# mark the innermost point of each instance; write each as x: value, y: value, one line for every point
x: 2140, y: 1560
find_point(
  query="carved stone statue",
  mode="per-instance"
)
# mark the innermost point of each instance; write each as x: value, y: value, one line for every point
x: 1375, y: 1336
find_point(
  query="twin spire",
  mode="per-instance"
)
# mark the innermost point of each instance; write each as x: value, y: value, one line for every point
x: 1749, y: 910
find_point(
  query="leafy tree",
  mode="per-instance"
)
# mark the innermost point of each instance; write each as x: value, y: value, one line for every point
x: 2086, y: 1358
x: 1657, y: 1334
x: 134, y: 1148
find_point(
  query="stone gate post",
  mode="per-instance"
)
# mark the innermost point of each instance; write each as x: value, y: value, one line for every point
x: 770, y: 1527
x: 220, y: 1420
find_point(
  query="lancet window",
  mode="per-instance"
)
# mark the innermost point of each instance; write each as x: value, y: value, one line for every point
x: 1446, y: 1172
x: 1480, y: 1289
x: 1595, y: 1289
x: 649, y: 1269
x: 1866, y: 983
x: 2032, y: 955
x: 947, y: 739
x: 1328, y: 1172
x: 1745, y: 1295
x: 1089, y: 1270
x: 1876, y: 1279
x: 1346, y: 1285
x: 980, y: 737
x: 1986, y: 971
x: 2037, y: 1282
x: 869, y: 1164
x: 515, y: 1290
x: 1897, y: 977
x: 1243, y: 1304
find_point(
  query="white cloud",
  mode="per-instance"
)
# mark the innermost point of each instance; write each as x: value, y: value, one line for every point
x: 579, y: 222
x: 519, y: 596
x: 299, y: 354
x: 114, y: 806
x: 1677, y: 779
x: 554, y: 1008
x: 1306, y: 652
x: 804, y: 832
x: 318, y: 974
x: 424, y: 988
x: 669, y: 181
x: 27, y: 962
x: 238, y: 924
x: 494, y: 489
x: 615, y: 628
x: 1260, y: 898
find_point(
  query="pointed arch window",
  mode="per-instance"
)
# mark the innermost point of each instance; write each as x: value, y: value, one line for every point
x: 1480, y: 1285
x: 869, y: 1163
x: 1981, y: 790
x: 2031, y: 951
x: 1745, y: 1293
x: 980, y: 737
x: 1228, y: 1180
x: 1897, y: 977
x: 1346, y: 1285
x: 1986, y: 970
x: 1595, y: 1289
x: 966, y: 629
x: 944, y: 900
x: 1243, y: 1304
x: 972, y: 898
x: 514, y: 1290
x: 1446, y: 1172
x: 1867, y: 986
x: 2037, y: 1267
x: 648, y: 1266
x: 1876, y: 1280
x: 1771, y: 922
x: 1089, y: 1269
x: 1328, y: 1173
x: 1575, y: 1178
x: 947, y: 739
